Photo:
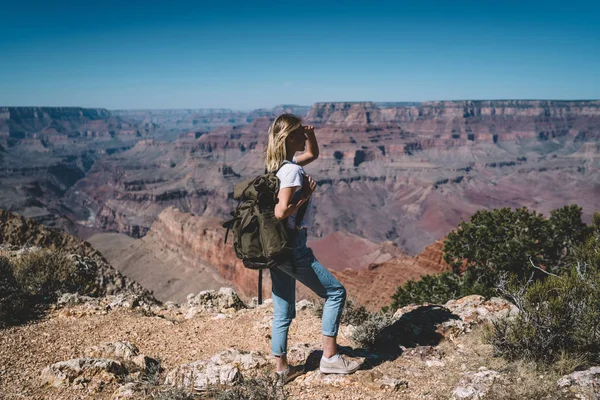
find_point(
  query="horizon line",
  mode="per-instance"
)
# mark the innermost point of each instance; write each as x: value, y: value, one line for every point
x: 303, y: 105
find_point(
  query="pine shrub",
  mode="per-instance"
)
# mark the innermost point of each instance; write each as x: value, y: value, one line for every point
x: 438, y: 288
x: 557, y: 317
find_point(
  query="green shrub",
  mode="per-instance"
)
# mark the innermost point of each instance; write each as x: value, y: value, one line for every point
x: 12, y: 299
x: 264, y: 388
x: 172, y: 393
x: 557, y: 317
x: 437, y: 288
x: 43, y: 274
x: 368, y: 333
x: 354, y: 313
x: 513, y: 241
x: 588, y: 253
x: 519, y: 243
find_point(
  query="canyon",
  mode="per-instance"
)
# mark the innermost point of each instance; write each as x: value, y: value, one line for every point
x: 184, y: 253
x: 405, y: 174
x: 393, y: 180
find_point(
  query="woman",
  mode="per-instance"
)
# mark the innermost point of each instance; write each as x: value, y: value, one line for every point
x: 286, y: 137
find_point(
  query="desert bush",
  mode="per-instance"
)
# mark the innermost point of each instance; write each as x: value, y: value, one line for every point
x: 526, y: 380
x: 438, y: 288
x: 513, y: 241
x: 558, y: 317
x: 172, y: 393
x: 354, y: 313
x: 264, y: 388
x: 43, y: 274
x: 368, y: 325
x: 12, y: 299
x: 588, y: 253
x: 369, y: 332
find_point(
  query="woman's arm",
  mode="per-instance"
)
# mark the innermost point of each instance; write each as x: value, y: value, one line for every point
x: 312, y: 147
x: 284, y: 208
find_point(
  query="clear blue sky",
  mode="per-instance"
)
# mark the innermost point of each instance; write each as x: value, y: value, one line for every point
x: 250, y: 54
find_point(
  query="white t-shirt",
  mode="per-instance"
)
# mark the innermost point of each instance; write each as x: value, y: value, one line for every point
x: 292, y: 175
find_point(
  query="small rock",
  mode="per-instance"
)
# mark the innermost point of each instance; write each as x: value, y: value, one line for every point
x: 116, y: 349
x: 586, y: 384
x: 145, y: 364
x: 225, y: 300
x: 170, y: 305
x: 132, y: 389
x: 390, y: 383
x: 303, y: 305
x: 435, y: 363
x: 126, y: 352
x: 78, y: 370
x: 129, y: 301
x: 475, y: 385
x: 266, y: 303
x: 224, y: 368
x: 73, y: 299
x: 348, y: 330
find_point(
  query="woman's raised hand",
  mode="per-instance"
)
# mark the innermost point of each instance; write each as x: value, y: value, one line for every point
x: 309, y: 130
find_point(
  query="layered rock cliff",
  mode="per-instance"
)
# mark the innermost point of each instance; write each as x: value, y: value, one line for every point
x: 197, y: 238
x: 200, y: 259
x: 405, y: 173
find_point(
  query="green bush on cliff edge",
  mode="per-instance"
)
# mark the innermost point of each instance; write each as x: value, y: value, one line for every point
x: 36, y: 278
x: 520, y: 243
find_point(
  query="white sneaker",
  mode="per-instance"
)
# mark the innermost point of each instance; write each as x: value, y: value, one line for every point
x: 338, y: 365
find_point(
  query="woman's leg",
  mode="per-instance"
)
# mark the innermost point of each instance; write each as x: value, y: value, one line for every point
x: 310, y: 272
x: 284, y: 311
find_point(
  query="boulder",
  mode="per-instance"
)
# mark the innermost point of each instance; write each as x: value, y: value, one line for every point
x: 304, y: 304
x: 225, y: 300
x: 126, y: 352
x: 475, y: 385
x: 584, y: 384
x: 82, y: 371
x: 132, y: 390
x: 224, y: 368
x: 475, y: 309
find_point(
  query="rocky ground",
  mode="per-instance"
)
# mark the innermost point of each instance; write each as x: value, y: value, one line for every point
x: 119, y: 347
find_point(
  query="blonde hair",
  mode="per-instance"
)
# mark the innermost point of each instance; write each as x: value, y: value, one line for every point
x: 278, y: 132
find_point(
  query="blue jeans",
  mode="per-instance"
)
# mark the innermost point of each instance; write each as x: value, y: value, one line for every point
x: 305, y: 268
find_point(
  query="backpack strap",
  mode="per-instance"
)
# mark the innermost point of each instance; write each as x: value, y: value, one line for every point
x: 260, y: 299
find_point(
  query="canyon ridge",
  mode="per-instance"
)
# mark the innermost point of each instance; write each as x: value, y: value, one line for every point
x: 393, y: 180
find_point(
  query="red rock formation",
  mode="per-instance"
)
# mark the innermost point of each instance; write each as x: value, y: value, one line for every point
x: 196, y: 238
x: 373, y: 287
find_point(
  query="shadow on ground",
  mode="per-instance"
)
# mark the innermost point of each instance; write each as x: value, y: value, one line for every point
x: 415, y: 328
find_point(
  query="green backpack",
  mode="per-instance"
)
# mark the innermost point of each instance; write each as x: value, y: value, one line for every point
x: 260, y: 240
